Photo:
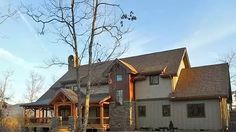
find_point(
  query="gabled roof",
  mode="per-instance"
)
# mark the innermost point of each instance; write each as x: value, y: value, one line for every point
x: 44, y: 102
x: 203, y: 82
x: 71, y: 95
x: 143, y: 64
x: 125, y: 65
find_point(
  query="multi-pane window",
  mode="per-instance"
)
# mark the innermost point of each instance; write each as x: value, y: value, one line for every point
x: 119, y: 96
x: 119, y: 77
x: 141, y: 111
x: 154, y: 80
x: 196, y: 110
x: 165, y: 110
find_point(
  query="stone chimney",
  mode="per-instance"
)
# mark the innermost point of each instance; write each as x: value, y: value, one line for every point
x: 70, y: 62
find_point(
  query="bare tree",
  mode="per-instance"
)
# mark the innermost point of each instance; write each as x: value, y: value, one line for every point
x: 5, y: 15
x: 5, y: 84
x: 7, y: 11
x: 34, y: 86
x: 230, y: 58
x: 83, y: 25
x: 3, y: 18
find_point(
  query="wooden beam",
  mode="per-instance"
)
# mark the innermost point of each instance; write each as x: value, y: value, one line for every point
x: 101, y: 115
x: 46, y: 112
x: 24, y: 116
x: 71, y: 109
x: 106, y: 102
x: 46, y: 115
x: 43, y: 112
x: 35, y: 113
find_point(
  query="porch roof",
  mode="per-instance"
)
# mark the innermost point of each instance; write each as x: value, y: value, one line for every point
x: 37, y: 103
x: 71, y: 95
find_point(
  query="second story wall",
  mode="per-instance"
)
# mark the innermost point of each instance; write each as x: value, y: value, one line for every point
x: 143, y: 89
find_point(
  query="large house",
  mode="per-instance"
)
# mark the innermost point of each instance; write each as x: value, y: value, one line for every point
x: 150, y: 91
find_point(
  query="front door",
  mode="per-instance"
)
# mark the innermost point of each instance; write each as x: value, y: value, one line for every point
x: 64, y: 112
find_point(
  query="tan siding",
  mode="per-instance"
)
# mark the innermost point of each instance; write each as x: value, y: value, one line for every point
x: 153, y: 114
x: 145, y: 91
x: 211, y: 121
x: 179, y: 117
x: 175, y: 79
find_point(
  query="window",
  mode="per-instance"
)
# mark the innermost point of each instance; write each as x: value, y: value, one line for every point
x: 118, y: 78
x: 141, y: 111
x: 154, y: 80
x: 68, y: 87
x: 74, y: 88
x: 119, y: 96
x: 165, y: 110
x: 196, y: 110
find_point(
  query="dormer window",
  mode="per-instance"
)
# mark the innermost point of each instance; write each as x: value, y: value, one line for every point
x: 154, y: 80
x: 119, y: 78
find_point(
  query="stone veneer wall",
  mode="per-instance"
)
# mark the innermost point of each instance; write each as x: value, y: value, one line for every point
x: 54, y: 123
x: 122, y: 117
x: 72, y: 123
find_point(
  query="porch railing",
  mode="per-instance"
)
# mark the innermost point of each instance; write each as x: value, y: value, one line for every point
x: 45, y: 120
x: 96, y: 120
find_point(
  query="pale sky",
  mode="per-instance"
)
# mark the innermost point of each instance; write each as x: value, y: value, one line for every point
x: 207, y: 28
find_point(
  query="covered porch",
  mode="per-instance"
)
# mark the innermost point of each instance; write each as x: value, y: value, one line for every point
x: 63, y: 107
x: 37, y: 114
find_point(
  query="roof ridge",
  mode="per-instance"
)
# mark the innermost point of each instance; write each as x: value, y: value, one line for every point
x: 171, y: 50
x: 210, y: 65
x: 183, y: 48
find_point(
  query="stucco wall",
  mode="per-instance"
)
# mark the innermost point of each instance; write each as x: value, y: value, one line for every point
x: 143, y: 90
x: 179, y: 116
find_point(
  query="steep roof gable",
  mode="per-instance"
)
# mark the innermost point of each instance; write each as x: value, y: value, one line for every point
x: 69, y: 94
x: 129, y: 68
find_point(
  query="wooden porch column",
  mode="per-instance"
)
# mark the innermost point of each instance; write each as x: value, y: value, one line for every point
x: 35, y: 113
x: 25, y: 116
x: 76, y: 111
x: 43, y: 115
x: 46, y: 115
x: 39, y: 112
x: 42, y: 112
x: 101, y: 115
x: 55, y: 110
x: 71, y: 109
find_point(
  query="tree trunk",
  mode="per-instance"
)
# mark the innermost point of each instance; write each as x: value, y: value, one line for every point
x: 76, y: 59
x: 87, y: 98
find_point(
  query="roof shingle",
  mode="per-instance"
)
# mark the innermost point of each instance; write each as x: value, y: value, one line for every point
x: 147, y: 63
x: 203, y: 82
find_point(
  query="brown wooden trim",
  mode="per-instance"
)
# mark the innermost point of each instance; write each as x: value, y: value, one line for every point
x: 196, y: 98
x: 105, y: 99
x: 152, y: 99
x: 101, y: 115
